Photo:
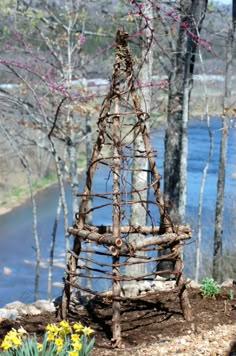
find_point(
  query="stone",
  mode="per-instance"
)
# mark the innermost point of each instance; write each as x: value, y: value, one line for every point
x: 191, y: 284
x: 131, y: 290
x: 145, y: 287
x: 227, y: 284
x: 30, y: 310
x: 45, y: 305
x: 11, y: 314
x: 36, y: 308
x: 163, y: 285
x: 14, y: 305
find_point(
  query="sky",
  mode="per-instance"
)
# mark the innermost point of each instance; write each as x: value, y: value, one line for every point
x: 227, y: 2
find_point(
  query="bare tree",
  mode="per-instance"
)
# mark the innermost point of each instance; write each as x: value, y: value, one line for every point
x: 180, y: 78
x: 218, y: 232
x: 139, y: 177
x: 182, y: 59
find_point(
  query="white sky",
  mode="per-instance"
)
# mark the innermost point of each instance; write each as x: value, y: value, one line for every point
x: 227, y: 2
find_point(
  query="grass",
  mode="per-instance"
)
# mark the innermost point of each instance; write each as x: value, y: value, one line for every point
x: 17, y: 195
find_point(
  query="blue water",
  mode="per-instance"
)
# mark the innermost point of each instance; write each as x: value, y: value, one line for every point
x: 16, y: 242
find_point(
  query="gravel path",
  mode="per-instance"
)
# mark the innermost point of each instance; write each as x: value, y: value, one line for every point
x: 216, y: 342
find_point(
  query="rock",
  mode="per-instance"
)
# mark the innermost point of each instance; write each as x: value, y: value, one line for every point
x: 14, y: 305
x: 45, y: 305
x: 191, y: 284
x: 145, y: 287
x: 227, y: 284
x: 160, y: 278
x: 11, y: 314
x: 163, y: 285
x: 16, y: 309
x: 131, y: 290
x: 30, y: 310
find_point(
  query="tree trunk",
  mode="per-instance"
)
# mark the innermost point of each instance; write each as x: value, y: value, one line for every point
x: 89, y: 218
x: 176, y: 144
x: 175, y: 164
x: 52, y: 247
x: 219, y: 212
x: 139, y: 178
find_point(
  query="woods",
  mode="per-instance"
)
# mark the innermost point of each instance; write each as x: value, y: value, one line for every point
x: 52, y: 50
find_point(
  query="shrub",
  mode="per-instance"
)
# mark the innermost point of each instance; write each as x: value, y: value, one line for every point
x: 209, y: 288
x: 231, y: 294
x: 59, y: 339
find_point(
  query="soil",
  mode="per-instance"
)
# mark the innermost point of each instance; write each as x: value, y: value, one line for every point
x: 154, y: 326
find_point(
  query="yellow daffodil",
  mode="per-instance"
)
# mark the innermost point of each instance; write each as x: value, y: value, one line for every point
x: 75, y: 337
x: 62, y: 335
x: 50, y: 337
x: 65, y: 326
x: 72, y: 353
x: 78, y: 327
x: 52, y: 328
x: 59, y: 343
x: 39, y: 346
x: 16, y: 340
x: 5, y: 345
x: 77, y: 346
x: 12, y: 339
x: 87, y: 331
x: 21, y: 331
x: 59, y: 348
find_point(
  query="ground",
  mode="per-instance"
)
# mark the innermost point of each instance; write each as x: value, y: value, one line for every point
x: 155, y: 326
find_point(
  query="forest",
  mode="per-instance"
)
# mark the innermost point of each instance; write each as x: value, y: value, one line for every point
x: 119, y: 108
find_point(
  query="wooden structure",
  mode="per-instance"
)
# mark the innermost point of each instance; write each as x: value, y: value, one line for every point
x: 116, y: 130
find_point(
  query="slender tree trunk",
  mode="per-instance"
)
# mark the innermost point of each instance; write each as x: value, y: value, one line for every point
x: 52, y: 247
x: 36, y: 238
x: 175, y: 163
x: 74, y: 180
x: 138, y: 214
x: 203, y: 180
x: 89, y: 218
x: 58, y: 164
x: 219, y: 212
x: 184, y: 133
x: 176, y: 144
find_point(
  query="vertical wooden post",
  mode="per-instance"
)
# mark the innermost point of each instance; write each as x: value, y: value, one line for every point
x: 116, y: 220
x: 180, y: 281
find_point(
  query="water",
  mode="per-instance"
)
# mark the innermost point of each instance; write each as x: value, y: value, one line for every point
x: 16, y: 242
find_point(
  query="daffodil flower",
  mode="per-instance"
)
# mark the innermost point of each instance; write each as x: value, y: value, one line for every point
x: 50, y: 336
x: 39, y: 346
x: 77, y: 346
x: 5, y: 345
x: 65, y: 326
x: 78, y: 327
x: 73, y: 353
x: 59, y: 344
x: 87, y: 331
x: 75, y: 337
x: 52, y: 328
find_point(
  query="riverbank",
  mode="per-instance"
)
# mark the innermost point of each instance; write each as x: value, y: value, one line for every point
x: 20, y: 194
x: 15, y: 198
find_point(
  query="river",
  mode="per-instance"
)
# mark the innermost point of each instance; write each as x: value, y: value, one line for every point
x: 16, y: 242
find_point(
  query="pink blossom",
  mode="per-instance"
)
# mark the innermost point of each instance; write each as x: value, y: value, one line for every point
x: 82, y: 39
x: 184, y: 25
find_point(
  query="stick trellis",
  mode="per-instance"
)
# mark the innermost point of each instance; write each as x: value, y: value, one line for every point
x: 115, y: 130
